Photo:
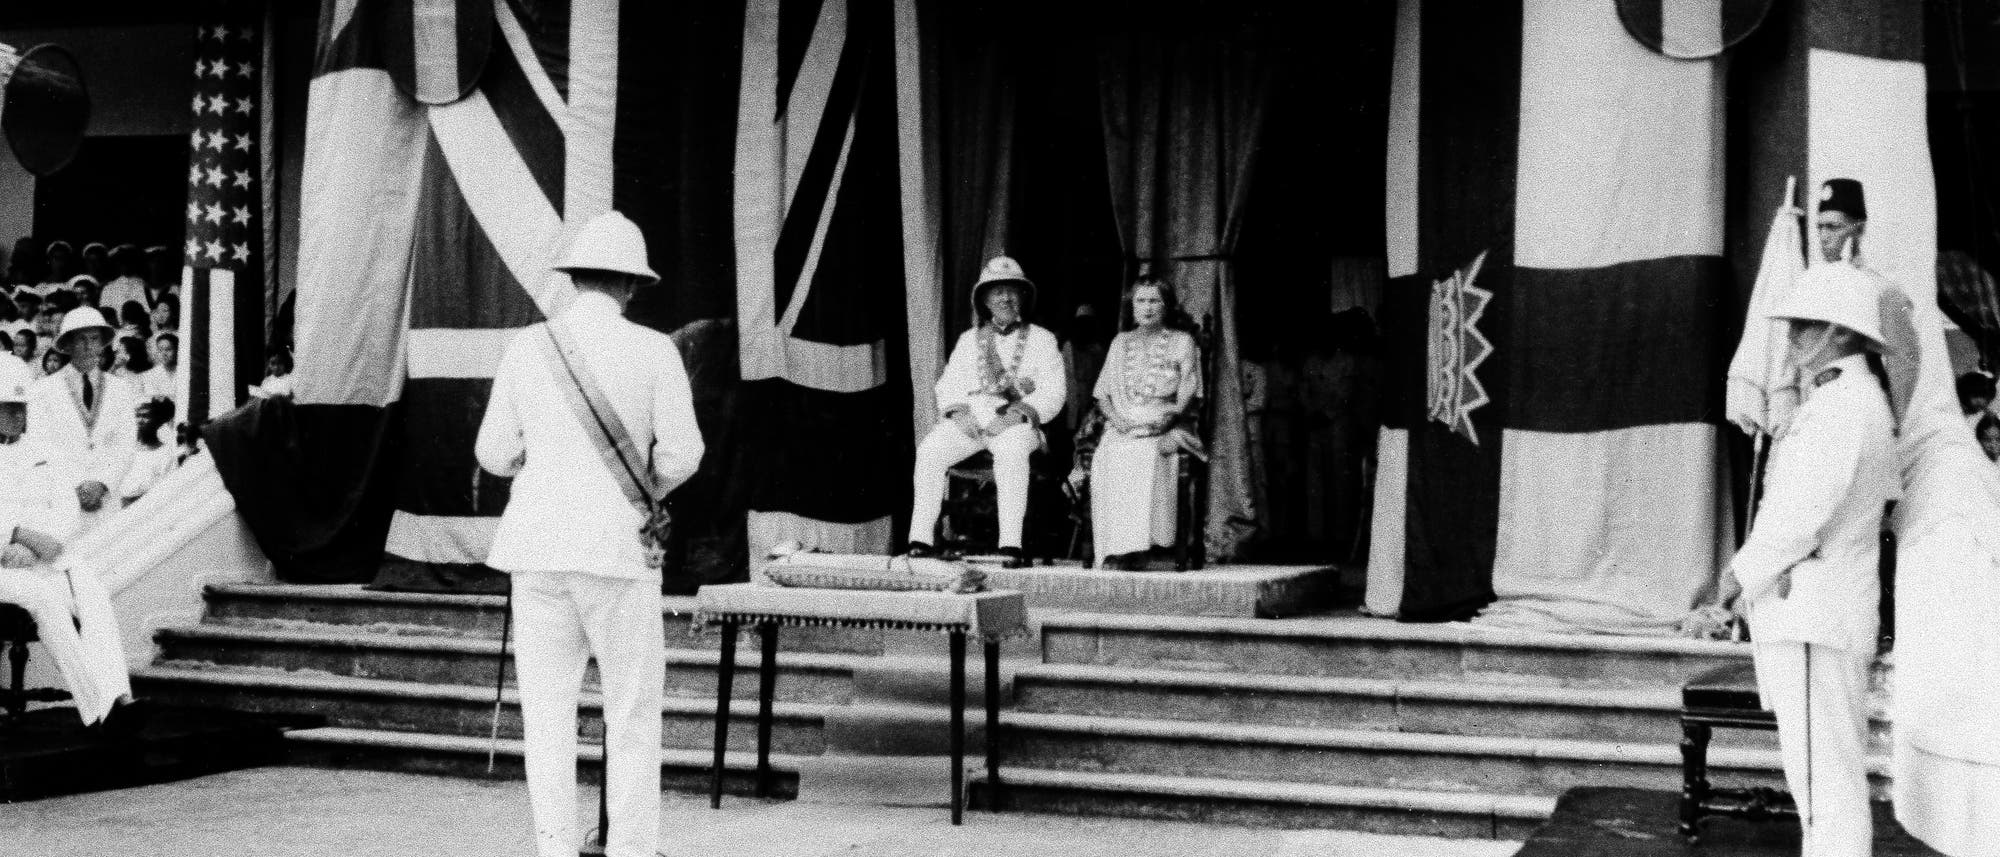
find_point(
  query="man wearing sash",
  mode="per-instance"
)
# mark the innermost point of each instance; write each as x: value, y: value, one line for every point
x: 592, y: 416
x: 1004, y: 379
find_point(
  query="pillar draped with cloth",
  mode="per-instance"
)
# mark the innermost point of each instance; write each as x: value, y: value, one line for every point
x: 1182, y: 119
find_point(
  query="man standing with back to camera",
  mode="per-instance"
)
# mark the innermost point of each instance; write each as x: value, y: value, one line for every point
x: 591, y: 415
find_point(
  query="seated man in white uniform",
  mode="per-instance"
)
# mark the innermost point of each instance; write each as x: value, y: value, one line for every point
x: 81, y: 419
x: 72, y: 611
x: 1004, y: 380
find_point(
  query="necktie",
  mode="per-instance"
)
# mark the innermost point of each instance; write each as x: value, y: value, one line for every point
x: 89, y: 395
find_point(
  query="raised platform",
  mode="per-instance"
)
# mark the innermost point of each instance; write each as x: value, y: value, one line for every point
x: 48, y: 752
x: 1625, y: 822
x: 1227, y: 591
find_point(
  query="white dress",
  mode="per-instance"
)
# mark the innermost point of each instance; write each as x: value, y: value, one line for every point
x: 1132, y: 478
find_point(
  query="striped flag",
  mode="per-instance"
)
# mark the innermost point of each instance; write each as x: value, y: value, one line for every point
x: 222, y: 282
x: 1538, y: 153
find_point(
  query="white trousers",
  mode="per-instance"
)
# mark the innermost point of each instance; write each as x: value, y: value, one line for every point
x: 92, y: 660
x: 561, y: 619
x: 945, y: 446
x: 1820, y: 696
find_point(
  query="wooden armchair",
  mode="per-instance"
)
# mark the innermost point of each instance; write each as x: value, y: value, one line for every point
x: 17, y: 630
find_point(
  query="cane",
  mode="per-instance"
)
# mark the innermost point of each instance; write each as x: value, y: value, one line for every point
x: 500, y: 682
x: 596, y: 847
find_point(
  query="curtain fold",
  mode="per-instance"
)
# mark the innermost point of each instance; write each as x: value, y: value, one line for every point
x: 1182, y: 119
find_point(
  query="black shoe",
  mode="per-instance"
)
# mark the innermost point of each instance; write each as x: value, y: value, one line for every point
x: 1014, y: 558
x: 921, y: 550
x: 126, y: 720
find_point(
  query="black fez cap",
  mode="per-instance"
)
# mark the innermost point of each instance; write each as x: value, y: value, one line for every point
x: 1844, y: 196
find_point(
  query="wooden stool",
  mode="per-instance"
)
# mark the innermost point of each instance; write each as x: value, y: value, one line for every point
x: 17, y: 630
x: 1725, y: 697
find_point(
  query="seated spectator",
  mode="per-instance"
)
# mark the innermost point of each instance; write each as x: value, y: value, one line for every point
x: 24, y: 265
x: 86, y: 288
x: 163, y: 275
x: 154, y: 458
x: 1975, y: 396
x: 97, y: 262
x: 1988, y: 429
x: 278, y: 376
x: 27, y: 305
x: 133, y: 321
x: 167, y: 313
x: 130, y: 361
x: 72, y: 611
x: 53, y: 361
x: 60, y: 266
x: 25, y: 348
x: 159, y: 380
x: 130, y: 284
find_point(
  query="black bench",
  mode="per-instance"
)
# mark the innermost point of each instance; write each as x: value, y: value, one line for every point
x: 17, y: 630
x: 1723, y: 698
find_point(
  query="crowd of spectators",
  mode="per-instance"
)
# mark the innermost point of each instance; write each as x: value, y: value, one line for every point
x: 50, y: 290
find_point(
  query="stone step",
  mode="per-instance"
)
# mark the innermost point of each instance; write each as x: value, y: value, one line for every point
x: 462, y: 615
x: 1357, y: 647
x: 1649, y: 715
x: 1543, y: 767
x: 466, y: 757
x: 1264, y: 803
x: 900, y: 730
x: 347, y: 650
x: 464, y: 710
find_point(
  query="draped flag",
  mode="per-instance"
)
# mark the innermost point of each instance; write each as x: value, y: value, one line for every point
x: 1760, y: 399
x: 1538, y: 153
x: 820, y: 279
x: 222, y: 282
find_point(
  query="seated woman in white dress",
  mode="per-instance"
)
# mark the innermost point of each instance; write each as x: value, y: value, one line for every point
x: 1151, y: 377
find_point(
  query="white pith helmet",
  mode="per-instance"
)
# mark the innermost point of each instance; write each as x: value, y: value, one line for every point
x: 609, y: 242
x: 81, y: 318
x: 1841, y: 294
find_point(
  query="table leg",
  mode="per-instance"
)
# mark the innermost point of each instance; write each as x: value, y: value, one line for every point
x: 767, y: 683
x: 957, y: 727
x: 993, y: 725
x: 1694, y: 775
x: 725, y: 674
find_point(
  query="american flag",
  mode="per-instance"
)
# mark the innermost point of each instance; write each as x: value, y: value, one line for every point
x: 224, y: 209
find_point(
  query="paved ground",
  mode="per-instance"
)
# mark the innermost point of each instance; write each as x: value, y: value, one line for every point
x: 302, y: 812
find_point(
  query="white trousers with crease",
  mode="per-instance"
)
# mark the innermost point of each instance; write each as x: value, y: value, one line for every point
x: 947, y: 445
x: 1820, y: 696
x: 561, y: 619
x: 92, y: 658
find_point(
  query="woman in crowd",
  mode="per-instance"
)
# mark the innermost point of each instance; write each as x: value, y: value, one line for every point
x: 1151, y: 377
x: 167, y: 313
x: 52, y: 362
x: 26, y: 344
x: 133, y: 321
x: 130, y: 361
x: 155, y: 457
x: 166, y: 353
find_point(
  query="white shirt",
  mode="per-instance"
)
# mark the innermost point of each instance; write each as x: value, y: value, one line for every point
x: 1041, y: 361
x: 567, y: 512
x: 1821, y: 517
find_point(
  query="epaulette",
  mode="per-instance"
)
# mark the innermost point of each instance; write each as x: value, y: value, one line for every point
x: 1826, y: 376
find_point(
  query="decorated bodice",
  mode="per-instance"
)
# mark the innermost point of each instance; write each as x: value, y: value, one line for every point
x: 1154, y: 368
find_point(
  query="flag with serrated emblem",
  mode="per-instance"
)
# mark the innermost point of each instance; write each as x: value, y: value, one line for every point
x: 221, y: 255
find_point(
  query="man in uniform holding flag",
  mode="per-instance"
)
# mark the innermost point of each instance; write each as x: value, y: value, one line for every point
x: 1809, y: 567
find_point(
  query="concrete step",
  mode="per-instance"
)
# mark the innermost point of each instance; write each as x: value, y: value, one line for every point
x: 879, y: 729
x: 1358, y: 647
x: 1264, y: 803
x: 1446, y: 708
x: 464, y: 710
x: 466, y: 757
x: 1543, y: 767
x: 460, y: 615
x: 349, y: 650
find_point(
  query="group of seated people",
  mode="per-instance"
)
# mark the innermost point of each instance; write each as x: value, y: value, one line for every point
x: 41, y: 292
x: 1006, y: 378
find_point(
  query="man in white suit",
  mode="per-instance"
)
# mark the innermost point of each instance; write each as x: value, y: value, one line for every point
x: 1005, y: 378
x: 1810, y: 567
x: 80, y: 419
x: 582, y: 583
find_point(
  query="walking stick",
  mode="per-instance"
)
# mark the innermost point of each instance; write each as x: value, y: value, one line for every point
x: 596, y: 847
x: 500, y: 681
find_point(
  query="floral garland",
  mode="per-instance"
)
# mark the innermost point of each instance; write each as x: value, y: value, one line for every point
x: 999, y: 377
x: 1148, y: 368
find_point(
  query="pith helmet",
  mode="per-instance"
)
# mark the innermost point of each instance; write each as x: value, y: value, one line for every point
x: 80, y: 319
x: 1003, y: 269
x: 1837, y: 293
x: 609, y: 242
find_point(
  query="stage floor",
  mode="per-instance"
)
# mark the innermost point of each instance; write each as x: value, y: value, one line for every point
x: 1607, y: 822
x: 48, y: 752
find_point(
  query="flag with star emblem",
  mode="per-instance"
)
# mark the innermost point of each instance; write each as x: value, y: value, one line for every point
x: 222, y: 281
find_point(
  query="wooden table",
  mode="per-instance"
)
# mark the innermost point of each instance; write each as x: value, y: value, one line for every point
x: 986, y: 616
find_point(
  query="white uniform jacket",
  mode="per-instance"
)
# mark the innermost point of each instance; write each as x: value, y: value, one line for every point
x: 1821, y: 517
x: 1041, y: 362
x: 82, y: 448
x: 567, y: 512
